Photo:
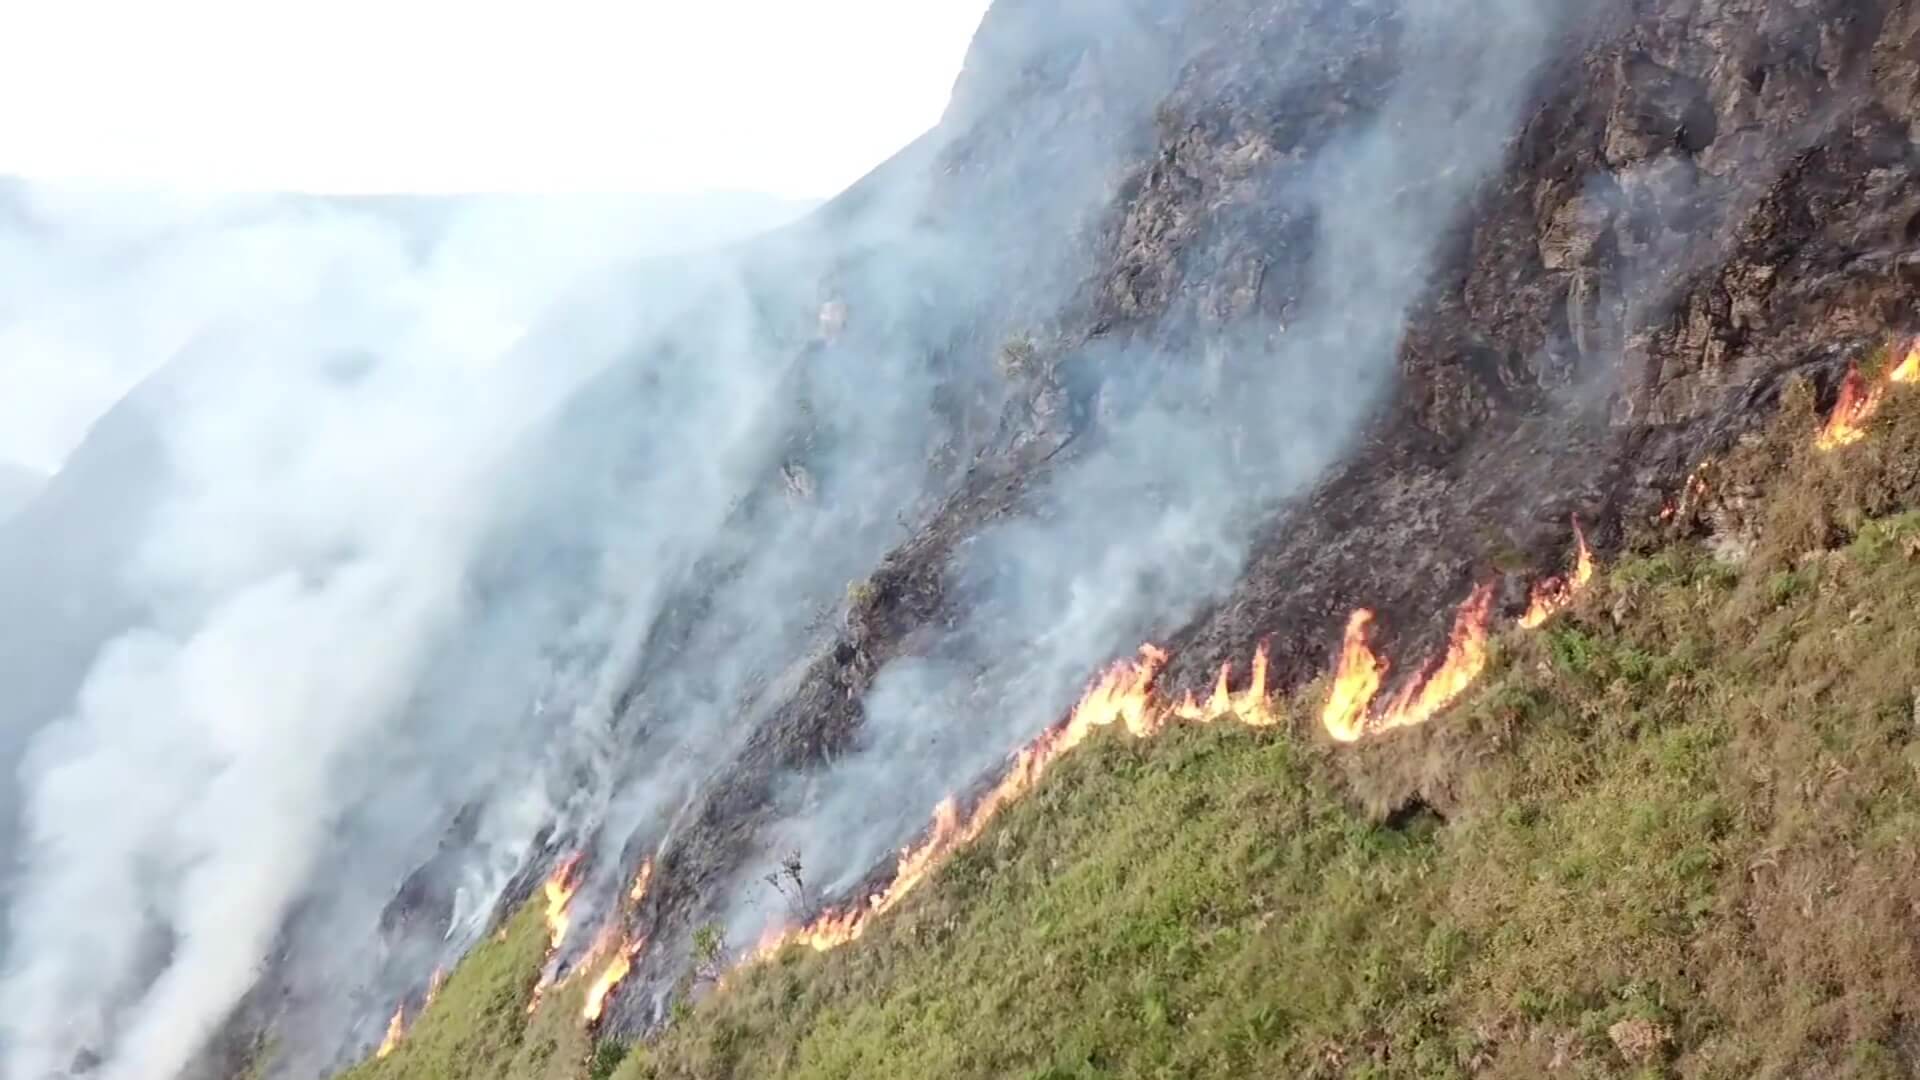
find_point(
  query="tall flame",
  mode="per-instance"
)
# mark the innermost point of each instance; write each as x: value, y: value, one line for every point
x: 1355, y: 681
x: 396, y: 1028
x: 559, y: 889
x: 1557, y: 593
x: 1349, y: 714
x: 610, y: 978
x: 1466, y: 658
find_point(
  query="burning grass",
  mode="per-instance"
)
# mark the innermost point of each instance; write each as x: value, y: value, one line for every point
x: 1688, y: 833
x: 478, y: 1026
x: 1682, y: 821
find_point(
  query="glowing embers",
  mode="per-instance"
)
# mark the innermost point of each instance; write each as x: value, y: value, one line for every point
x: 1557, y: 593
x: 1847, y: 424
x: 1350, y: 714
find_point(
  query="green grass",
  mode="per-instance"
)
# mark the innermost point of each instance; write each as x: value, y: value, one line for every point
x: 1691, y: 805
x: 479, y: 1026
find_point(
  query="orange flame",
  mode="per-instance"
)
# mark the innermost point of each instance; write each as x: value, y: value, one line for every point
x: 1555, y: 594
x: 396, y: 1028
x: 1355, y: 681
x: 1847, y: 423
x: 1124, y: 695
x: 433, y: 987
x: 1250, y: 707
x: 1466, y: 658
x: 1349, y: 716
x: 604, y: 986
x: 559, y: 889
x: 1908, y: 370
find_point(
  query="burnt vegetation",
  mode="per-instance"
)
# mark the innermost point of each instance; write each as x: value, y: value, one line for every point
x: 1674, y: 832
x: 1669, y: 832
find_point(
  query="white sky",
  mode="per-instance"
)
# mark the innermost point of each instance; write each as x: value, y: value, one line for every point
x: 783, y: 96
x: 193, y: 97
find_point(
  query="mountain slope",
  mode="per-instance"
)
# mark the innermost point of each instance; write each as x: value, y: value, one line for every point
x: 1681, y: 840
x: 1206, y: 325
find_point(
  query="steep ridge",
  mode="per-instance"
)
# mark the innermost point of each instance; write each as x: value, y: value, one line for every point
x: 1703, y: 199
x: 1232, y: 320
x: 1680, y: 844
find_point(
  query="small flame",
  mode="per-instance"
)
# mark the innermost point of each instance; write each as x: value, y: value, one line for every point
x: 1847, y: 423
x: 396, y: 1028
x: 610, y: 978
x: 1250, y: 706
x: 1908, y: 370
x: 1349, y: 715
x: 641, y: 882
x: 559, y: 889
x: 433, y: 987
x: 1555, y: 594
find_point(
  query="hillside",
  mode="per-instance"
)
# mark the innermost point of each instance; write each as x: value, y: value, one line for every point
x: 1308, y: 340
x: 1680, y: 839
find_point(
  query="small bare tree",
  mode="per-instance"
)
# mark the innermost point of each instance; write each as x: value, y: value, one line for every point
x: 790, y: 885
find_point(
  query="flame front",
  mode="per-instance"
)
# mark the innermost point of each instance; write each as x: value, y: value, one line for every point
x: 610, y: 979
x: 396, y: 1028
x: 1557, y: 593
x: 1349, y: 715
x: 1123, y: 696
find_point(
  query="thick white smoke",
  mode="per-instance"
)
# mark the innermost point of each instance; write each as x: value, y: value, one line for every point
x: 1136, y: 534
x: 332, y: 438
x: 421, y: 544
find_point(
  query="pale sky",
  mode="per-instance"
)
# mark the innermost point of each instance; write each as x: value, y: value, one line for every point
x: 182, y: 100
x: 790, y: 98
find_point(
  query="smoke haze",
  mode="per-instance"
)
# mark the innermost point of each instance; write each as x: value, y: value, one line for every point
x: 434, y: 538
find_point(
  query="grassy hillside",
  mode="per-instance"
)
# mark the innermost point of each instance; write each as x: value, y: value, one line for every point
x: 1681, y: 836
